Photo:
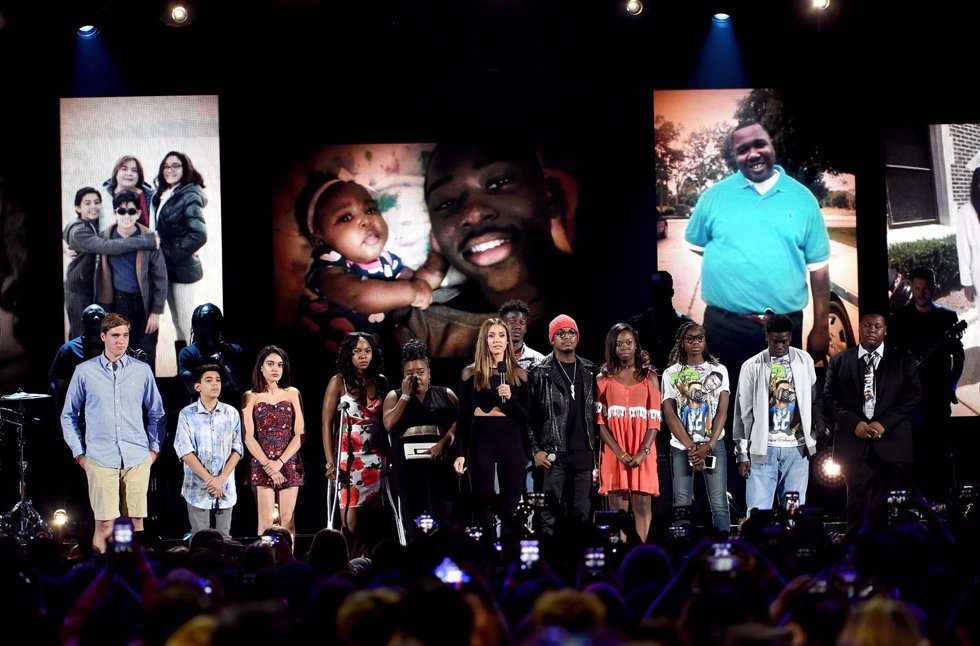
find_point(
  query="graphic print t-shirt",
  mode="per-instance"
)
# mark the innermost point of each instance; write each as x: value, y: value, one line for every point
x: 696, y: 390
x: 783, y: 415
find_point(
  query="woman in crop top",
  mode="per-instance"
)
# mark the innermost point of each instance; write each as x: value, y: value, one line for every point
x: 492, y: 421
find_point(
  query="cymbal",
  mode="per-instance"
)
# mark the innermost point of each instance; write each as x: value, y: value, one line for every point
x: 20, y: 396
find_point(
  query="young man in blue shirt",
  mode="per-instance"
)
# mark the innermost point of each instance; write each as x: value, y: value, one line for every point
x: 102, y: 422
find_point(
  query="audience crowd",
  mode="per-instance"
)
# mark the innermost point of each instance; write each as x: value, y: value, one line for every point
x: 906, y: 576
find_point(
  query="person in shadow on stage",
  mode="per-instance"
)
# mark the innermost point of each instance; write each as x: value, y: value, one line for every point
x: 208, y: 345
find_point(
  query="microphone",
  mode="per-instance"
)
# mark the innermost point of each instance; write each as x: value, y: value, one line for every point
x: 343, y: 406
x: 502, y: 371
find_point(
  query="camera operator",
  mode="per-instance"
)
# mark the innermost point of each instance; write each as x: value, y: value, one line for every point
x: 208, y: 346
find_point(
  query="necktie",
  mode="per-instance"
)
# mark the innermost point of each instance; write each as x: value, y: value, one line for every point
x: 869, y: 384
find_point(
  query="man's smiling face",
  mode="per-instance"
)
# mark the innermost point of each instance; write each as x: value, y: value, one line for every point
x: 754, y: 154
x: 490, y: 213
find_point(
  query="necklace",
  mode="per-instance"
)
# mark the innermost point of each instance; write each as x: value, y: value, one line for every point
x: 571, y: 380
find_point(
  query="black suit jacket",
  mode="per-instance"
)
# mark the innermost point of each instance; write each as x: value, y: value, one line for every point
x: 898, y: 393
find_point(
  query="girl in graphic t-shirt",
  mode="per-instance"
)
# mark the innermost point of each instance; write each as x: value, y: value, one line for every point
x: 695, y: 405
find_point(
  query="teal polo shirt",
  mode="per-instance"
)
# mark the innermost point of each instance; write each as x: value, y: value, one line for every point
x: 758, y: 249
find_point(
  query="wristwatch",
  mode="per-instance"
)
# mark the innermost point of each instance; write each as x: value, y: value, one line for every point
x: 646, y: 449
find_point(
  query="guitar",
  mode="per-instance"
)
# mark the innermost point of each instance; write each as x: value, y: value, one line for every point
x: 956, y: 331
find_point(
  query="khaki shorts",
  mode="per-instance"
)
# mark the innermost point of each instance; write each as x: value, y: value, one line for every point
x: 107, y: 488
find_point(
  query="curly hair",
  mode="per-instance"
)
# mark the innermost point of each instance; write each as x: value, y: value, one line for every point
x: 514, y: 305
x: 778, y: 323
x: 679, y: 355
x: 414, y: 350
x: 354, y: 380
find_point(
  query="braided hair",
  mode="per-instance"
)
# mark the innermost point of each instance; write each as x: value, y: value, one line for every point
x: 679, y: 355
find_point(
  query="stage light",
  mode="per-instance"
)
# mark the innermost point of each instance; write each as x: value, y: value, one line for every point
x: 827, y: 471
x: 60, y: 518
x: 831, y: 469
x: 821, y: 4
x: 88, y: 31
x: 634, y: 7
x: 721, y: 18
x: 179, y: 14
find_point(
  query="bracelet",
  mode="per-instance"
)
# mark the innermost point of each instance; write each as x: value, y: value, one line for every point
x: 693, y: 447
x: 405, y: 397
x: 646, y: 449
x: 329, y: 466
x: 625, y: 456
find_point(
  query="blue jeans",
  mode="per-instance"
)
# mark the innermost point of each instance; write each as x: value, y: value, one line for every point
x: 785, y: 470
x: 715, y: 482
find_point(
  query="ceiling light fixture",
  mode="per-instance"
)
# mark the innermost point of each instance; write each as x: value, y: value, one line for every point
x: 179, y: 14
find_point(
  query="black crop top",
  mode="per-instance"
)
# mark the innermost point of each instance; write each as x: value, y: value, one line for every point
x: 517, y: 407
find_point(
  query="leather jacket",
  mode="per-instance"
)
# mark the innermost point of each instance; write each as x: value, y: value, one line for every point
x: 550, y: 397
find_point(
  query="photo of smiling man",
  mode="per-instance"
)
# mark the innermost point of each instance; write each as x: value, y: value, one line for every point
x: 496, y: 219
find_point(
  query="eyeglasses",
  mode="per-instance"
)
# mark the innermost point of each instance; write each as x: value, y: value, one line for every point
x: 566, y: 334
x: 129, y: 211
x: 172, y: 166
x: 697, y: 338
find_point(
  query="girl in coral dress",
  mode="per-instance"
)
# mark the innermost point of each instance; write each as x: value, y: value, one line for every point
x: 628, y: 415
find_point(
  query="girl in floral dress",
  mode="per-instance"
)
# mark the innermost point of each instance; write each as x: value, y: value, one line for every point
x: 274, y: 432
x: 352, y: 416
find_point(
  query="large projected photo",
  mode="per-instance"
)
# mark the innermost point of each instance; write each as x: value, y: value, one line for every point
x: 422, y: 241
x: 737, y: 248
x: 932, y: 175
x: 141, y: 204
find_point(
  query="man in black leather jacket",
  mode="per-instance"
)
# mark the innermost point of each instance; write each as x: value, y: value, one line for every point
x: 565, y: 435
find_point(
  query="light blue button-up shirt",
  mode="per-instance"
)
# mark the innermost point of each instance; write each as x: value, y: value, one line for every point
x: 211, y: 436
x: 113, y: 402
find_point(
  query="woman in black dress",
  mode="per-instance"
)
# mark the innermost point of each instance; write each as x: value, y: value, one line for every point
x: 421, y: 419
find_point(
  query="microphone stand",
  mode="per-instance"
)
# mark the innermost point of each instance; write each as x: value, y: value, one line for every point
x: 22, y: 521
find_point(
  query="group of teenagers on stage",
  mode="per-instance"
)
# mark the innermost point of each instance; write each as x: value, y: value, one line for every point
x: 514, y: 412
x: 566, y: 421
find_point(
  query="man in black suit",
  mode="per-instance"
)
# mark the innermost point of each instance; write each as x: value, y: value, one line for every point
x: 871, y: 393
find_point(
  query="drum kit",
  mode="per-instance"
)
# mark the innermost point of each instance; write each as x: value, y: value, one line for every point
x: 23, y: 520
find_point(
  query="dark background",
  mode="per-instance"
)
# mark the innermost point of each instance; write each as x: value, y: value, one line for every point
x: 295, y: 74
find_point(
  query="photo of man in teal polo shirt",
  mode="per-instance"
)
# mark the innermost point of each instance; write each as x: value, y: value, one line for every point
x: 763, y: 236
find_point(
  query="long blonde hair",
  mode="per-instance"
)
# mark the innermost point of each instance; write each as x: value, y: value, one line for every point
x: 483, y: 364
